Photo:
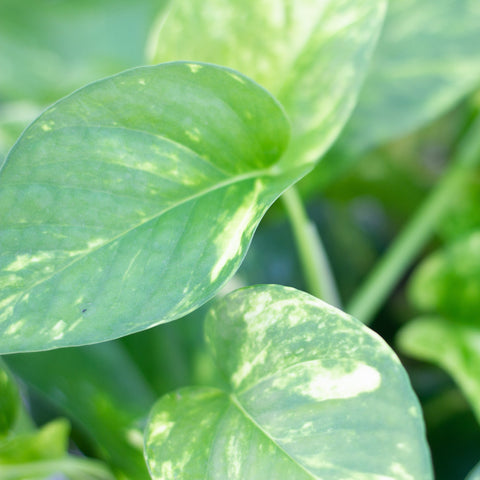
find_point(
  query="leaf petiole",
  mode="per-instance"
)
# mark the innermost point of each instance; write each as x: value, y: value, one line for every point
x: 314, y: 261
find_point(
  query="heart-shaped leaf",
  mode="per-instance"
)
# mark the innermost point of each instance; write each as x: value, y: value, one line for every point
x: 311, y: 54
x: 314, y: 394
x: 130, y: 202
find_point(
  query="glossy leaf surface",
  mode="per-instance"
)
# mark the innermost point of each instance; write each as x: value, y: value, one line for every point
x: 453, y: 346
x: 448, y: 282
x: 9, y: 399
x: 102, y: 391
x: 313, y: 394
x: 130, y: 202
x: 311, y: 54
x: 426, y: 60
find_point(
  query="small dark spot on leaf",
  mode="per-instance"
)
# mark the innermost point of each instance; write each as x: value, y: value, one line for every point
x: 84, y: 310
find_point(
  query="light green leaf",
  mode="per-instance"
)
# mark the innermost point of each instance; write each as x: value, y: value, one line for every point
x: 427, y: 60
x: 314, y: 395
x: 130, y: 202
x: 448, y: 282
x: 454, y: 346
x: 311, y: 54
x: 42, y: 454
x: 9, y: 399
x: 48, y: 443
x: 102, y: 391
x: 475, y: 473
x: 51, y: 47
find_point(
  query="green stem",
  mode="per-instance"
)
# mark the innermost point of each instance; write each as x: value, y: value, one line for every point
x: 313, y: 259
x: 385, y: 276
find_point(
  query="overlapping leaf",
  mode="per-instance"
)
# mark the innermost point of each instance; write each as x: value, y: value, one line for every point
x: 447, y: 284
x: 313, y: 394
x: 42, y: 454
x: 130, y: 202
x: 50, y: 48
x: 102, y: 391
x: 311, y: 54
x: 425, y: 62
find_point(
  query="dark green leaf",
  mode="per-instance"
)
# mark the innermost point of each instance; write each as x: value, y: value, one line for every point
x: 9, y: 399
x: 313, y: 394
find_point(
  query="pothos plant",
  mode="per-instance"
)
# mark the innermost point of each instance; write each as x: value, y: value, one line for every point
x: 133, y: 201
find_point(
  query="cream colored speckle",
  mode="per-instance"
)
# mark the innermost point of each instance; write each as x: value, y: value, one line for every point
x: 194, y: 67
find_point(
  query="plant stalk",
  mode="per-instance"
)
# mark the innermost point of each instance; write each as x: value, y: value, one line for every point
x: 314, y: 261
x: 385, y: 276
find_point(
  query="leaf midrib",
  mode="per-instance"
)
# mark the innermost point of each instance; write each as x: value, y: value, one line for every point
x: 250, y: 418
x: 218, y: 186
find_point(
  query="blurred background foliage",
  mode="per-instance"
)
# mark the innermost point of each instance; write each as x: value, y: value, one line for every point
x: 419, y: 99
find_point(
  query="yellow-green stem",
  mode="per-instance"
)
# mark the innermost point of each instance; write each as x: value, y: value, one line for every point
x: 316, y: 268
x: 390, y: 269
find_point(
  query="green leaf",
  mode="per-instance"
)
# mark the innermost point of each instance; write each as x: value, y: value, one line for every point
x: 53, y: 46
x: 474, y: 474
x: 427, y: 60
x: 311, y: 54
x: 313, y: 394
x: 9, y: 399
x: 448, y: 281
x: 454, y: 346
x: 102, y: 391
x: 42, y: 454
x: 130, y: 202
x: 48, y: 443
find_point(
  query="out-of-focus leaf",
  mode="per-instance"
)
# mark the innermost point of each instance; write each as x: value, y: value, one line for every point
x: 102, y: 391
x: 9, y: 399
x: 454, y: 346
x: 51, y: 47
x: 49, y: 442
x: 311, y: 54
x: 426, y: 60
x: 448, y: 282
x: 313, y: 393
x: 42, y: 454
x: 464, y: 212
x: 132, y: 201
x: 474, y: 474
